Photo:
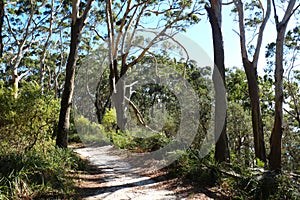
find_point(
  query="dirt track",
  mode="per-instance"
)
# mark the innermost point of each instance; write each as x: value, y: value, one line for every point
x: 117, y: 180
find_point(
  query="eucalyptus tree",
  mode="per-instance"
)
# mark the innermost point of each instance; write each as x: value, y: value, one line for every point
x: 276, y: 136
x: 78, y: 19
x: 259, y: 21
x: 2, y: 5
x: 21, y: 36
x: 124, y: 20
x: 214, y: 11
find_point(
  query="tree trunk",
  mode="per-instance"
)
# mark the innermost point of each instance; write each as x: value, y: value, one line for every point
x: 251, y: 73
x: 120, y: 105
x: 64, y: 115
x: 214, y: 14
x: 66, y: 101
x: 276, y: 136
x: 15, y: 82
x: 117, y: 86
x: 1, y: 24
x: 257, y: 123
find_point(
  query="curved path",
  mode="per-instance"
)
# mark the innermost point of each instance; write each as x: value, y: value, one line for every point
x: 119, y: 180
x: 115, y: 179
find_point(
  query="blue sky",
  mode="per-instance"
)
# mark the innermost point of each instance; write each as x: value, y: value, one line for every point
x: 201, y: 34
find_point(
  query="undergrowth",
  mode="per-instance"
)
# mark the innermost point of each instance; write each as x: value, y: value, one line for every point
x: 36, y: 174
x: 234, y: 181
x: 237, y: 180
x: 31, y: 167
x: 136, y: 142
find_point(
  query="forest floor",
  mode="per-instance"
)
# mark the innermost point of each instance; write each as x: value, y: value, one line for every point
x: 111, y: 178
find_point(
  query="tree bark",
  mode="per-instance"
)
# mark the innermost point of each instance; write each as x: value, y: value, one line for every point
x: 120, y: 105
x: 276, y: 136
x: 64, y: 115
x: 214, y: 14
x: 1, y: 26
x: 257, y: 123
x: 251, y: 73
x: 66, y: 101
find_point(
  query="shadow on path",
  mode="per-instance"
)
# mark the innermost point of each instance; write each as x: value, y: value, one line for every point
x: 111, y: 177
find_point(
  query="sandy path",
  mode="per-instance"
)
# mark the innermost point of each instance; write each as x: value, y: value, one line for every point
x: 119, y: 180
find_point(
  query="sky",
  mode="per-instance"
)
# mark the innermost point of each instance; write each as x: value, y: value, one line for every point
x: 201, y: 34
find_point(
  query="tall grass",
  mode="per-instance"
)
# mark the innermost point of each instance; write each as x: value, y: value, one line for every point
x: 35, y: 174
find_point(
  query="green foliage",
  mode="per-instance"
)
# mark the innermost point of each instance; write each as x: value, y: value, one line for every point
x: 264, y: 185
x: 199, y: 171
x: 27, y: 120
x: 30, y: 167
x: 287, y: 187
x: 237, y: 179
x: 237, y: 88
x: 139, y: 140
x: 110, y: 119
x: 90, y: 132
x: 37, y: 173
x: 292, y: 39
x: 239, y: 129
x: 260, y: 163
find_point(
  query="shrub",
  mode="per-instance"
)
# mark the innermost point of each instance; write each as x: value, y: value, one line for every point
x: 30, y: 166
x: 109, y: 120
x: 37, y: 173
x: 139, y: 140
x: 90, y: 132
x: 28, y: 119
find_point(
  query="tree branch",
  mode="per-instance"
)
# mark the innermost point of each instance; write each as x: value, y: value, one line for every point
x: 136, y: 112
x: 275, y: 13
x: 261, y: 32
x: 154, y: 40
x: 24, y: 74
x: 228, y: 3
x: 11, y: 31
x: 75, y: 6
x: 120, y: 32
x: 98, y: 34
x: 289, y: 11
x: 291, y: 114
x: 87, y: 10
x: 240, y: 9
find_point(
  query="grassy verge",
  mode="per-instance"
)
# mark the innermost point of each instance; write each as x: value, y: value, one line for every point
x: 234, y: 181
x: 39, y: 174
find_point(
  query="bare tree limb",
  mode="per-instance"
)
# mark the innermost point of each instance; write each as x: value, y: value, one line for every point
x: 261, y: 32
x: 98, y: 34
x: 228, y: 3
x: 137, y: 112
x: 24, y: 74
x: 240, y: 9
x: 154, y: 40
x: 11, y: 30
x: 86, y: 11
